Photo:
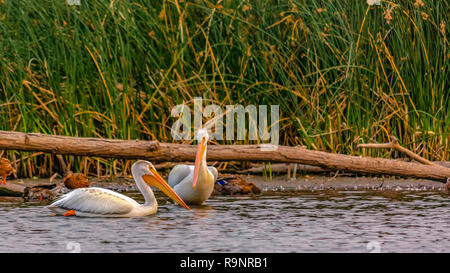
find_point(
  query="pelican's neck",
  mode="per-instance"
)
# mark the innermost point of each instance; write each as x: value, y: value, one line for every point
x: 203, y: 170
x: 145, y: 189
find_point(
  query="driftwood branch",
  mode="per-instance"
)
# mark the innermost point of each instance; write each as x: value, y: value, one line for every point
x: 164, y: 152
x: 282, y: 168
x: 62, y: 163
x: 395, y: 145
x: 285, y: 168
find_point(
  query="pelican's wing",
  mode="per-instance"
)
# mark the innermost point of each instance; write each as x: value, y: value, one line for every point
x: 214, y: 171
x: 179, y: 173
x: 96, y: 201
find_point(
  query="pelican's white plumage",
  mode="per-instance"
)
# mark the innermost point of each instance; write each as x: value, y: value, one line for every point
x: 182, y: 171
x: 99, y: 202
x: 181, y: 177
x: 96, y: 201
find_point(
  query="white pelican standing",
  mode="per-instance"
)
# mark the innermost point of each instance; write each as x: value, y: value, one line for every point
x: 194, y: 184
x: 98, y: 202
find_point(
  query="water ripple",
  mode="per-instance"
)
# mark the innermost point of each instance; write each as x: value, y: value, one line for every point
x: 294, y: 222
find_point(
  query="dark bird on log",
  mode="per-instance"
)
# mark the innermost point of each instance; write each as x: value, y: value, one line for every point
x: 5, y: 169
x: 234, y: 184
x: 75, y: 180
x: 40, y: 192
x: 44, y: 192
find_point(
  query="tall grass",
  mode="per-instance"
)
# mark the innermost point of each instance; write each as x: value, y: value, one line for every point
x: 343, y: 72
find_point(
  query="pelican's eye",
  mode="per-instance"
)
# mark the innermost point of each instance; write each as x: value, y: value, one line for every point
x: 152, y: 169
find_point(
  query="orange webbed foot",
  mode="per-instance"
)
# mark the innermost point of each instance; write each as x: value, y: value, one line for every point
x: 70, y: 213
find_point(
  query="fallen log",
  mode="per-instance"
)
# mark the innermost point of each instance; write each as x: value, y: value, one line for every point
x: 280, y: 168
x: 163, y: 152
x: 10, y: 189
x: 283, y: 168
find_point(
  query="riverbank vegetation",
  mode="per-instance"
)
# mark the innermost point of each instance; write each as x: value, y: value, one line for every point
x: 343, y: 72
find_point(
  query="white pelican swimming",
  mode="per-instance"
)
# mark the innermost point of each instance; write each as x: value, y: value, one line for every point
x: 194, y: 184
x: 98, y: 202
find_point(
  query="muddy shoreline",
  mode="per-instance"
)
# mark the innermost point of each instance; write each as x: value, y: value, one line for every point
x: 283, y: 184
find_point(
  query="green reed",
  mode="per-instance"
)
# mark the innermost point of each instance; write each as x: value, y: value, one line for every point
x: 343, y: 72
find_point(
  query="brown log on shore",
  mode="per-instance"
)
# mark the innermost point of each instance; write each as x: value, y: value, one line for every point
x: 282, y: 168
x: 11, y: 189
x: 285, y: 168
x: 163, y: 152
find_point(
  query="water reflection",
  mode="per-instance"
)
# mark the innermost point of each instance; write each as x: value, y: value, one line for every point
x: 295, y: 222
x: 202, y: 211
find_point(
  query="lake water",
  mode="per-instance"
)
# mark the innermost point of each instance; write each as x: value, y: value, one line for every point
x: 282, y: 222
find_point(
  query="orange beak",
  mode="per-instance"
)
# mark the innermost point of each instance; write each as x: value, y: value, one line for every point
x: 156, y: 180
x: 198, y: 159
